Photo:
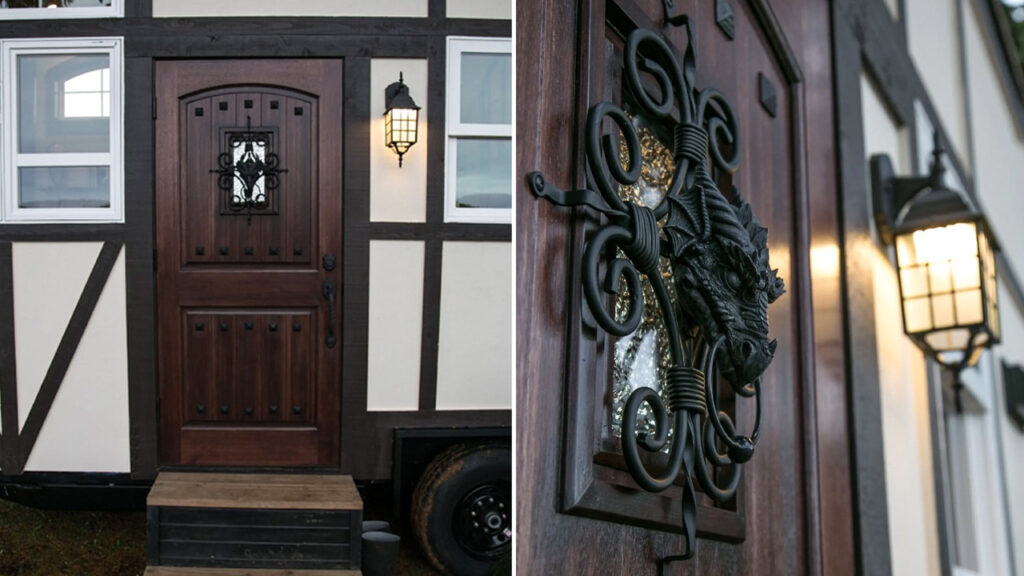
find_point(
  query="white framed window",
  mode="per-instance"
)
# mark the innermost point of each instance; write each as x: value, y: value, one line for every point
x: 478, y: 159
x: 63, y: 111
x: 59, y: 9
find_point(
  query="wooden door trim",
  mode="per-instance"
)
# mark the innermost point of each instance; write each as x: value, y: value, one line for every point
x: 184, y: 77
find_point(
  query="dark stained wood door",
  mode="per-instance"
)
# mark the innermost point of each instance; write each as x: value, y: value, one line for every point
x: 248, y: 336
x: 579, y: 511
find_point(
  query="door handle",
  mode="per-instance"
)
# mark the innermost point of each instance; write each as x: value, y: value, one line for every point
x: 330, y: 293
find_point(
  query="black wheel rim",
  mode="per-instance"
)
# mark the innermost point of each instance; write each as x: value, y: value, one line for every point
x: 483, y: 520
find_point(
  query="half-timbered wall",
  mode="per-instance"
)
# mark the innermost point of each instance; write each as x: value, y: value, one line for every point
x: 78, y: 381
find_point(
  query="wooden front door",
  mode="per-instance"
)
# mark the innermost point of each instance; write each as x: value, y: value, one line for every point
x: 248, y: 270
x: 580, y: 510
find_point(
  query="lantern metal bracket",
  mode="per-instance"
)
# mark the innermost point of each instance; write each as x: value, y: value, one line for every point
x: 892, y: 195
x: 718, y: 255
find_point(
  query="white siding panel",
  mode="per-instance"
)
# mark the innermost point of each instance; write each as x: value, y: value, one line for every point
x: 87, y: 429
x: 48, y: 280
x: 474, y: 365
x: 903, y: 381
x: 397, y: 194
x: 360, y: 8
x: 931, y: 36
x: 491, y: 9
x: 396, y: 325
x: 1011, y: 352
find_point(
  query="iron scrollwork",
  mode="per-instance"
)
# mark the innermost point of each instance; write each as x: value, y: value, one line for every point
x: 248, y: 171
x: 718, y: 256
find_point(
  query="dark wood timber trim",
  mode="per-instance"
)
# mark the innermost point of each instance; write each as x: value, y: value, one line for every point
x: 870, y: 504
x: 355, y: 299
x: 66, y: 351
x: 8, y: 365
x: 139, y: 266
x: 433, y: 247
x: 138, y: 8
x: 448, y: 232
x: 62, y: 232
x: 432, y: 260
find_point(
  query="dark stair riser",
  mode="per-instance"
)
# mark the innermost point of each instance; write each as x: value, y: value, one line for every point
x: 235, y: 538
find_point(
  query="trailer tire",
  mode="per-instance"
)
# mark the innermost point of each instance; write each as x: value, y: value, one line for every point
x: 462, y: 509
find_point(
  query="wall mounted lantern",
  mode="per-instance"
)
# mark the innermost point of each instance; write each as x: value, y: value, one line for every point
x: 945, y: 258
x: 705, y: 257
x: 400, y: 118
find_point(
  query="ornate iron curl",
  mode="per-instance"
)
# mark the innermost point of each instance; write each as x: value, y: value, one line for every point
x: 247, y: 171
x: 719, y: 259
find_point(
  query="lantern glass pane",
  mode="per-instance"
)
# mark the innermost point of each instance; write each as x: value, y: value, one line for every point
x: 942, y: 311
x: 968, y: 308
x: 485, y: 96
x: 956, y: 339
x: 917, y: 315
x: 940, y: 277
x: 945, y: 243
x: 990, y: 284
x: 966, y: 273
x: 915, y: 281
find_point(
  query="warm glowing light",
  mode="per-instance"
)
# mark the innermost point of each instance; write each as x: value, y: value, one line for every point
x: 946, y: 243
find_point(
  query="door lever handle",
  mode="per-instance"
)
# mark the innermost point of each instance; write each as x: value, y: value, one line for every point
x: 330, y: 293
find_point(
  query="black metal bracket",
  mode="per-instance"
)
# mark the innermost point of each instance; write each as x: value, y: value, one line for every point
x: 677, y: 20
x: 892, y: 194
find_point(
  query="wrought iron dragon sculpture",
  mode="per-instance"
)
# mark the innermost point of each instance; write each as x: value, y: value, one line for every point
x: 719, y: 267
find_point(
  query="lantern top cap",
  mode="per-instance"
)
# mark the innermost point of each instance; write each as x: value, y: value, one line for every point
x: 396, y: 95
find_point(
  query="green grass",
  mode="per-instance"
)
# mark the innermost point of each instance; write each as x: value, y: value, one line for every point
x: 57, y: 543
x: 63, y: 543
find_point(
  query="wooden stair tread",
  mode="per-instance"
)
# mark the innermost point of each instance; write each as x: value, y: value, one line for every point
x: 255, y: 491
x: 175, y: 571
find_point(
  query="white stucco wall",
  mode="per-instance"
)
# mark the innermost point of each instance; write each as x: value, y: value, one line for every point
x: 87, y: 428
x: 391, y: 8
x: 395, y: 325
x: 491, y: 9
x: 397, y: 194
x: 474, y: 364
x: 903, y: 382
x: 931, y: 38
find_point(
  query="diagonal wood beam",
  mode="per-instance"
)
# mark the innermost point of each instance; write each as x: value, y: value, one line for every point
x: 65, y: 353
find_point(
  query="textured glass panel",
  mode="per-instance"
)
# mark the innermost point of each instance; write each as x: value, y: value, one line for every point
x: 955, y: 339
x: 915, y: 281
x: 259, y: 149
x: 966, y: 274
x: 942, y: 311
x: 917, y: 314
x: 64, y: 187
x: 905, y: 253
x: 940, y: 276
x: 483, y: 176
x: 486, y: 93
x: 655, y: 172
x: 54, y: 4
x: 642, y: 357
x: 54, y: 119
x: 968, y: 307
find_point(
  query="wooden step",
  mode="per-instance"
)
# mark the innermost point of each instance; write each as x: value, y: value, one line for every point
x: 175, y: 571
x: 254, y: 521
x: 268, y: 491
